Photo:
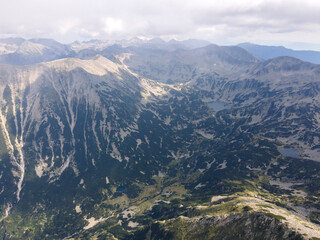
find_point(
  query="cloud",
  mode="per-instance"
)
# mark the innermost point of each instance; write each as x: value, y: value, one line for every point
x: 113, y: 25
x: 227, y: 21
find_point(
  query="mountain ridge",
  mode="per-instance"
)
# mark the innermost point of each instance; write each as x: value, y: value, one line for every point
x: 267, y: 52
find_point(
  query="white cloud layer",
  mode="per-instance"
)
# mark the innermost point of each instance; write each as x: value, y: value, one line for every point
x: 220, y: 21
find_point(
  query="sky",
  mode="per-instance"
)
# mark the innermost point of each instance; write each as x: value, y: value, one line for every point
x: 292, y: 23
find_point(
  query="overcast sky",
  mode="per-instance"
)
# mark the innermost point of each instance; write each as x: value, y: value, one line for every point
x: 293, y: 23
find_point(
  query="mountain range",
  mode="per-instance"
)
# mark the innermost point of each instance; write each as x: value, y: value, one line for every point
x: 268, y: 52
x: 157, y: 140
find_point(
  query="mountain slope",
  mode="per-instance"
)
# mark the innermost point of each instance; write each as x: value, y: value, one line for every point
x: 95, y: 149
x: 78, y: 127
x: 182, y: 66
x: 24, y: 52
x: 267, y: 52
x: 41, y: 107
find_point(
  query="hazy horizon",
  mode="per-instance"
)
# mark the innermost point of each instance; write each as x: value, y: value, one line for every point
x: 293, y: 46
x: 293, y: 24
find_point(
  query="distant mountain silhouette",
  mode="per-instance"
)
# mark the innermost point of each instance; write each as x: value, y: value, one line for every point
x: 267, y: 52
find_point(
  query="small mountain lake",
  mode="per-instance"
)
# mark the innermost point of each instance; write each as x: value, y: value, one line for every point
x: 121, y: 189
x: 290, y: 152
x: 218, y: 106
